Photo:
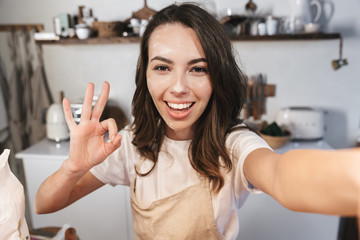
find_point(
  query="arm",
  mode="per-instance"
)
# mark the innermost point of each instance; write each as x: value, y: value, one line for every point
x: 87, y: 149
x: 309, y: 180
x: 62, y: 189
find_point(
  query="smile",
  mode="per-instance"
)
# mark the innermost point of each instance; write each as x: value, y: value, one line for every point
x: 179, y: 107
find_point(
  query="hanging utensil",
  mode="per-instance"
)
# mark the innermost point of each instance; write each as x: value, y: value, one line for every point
x: 144, y: 13
x: 338, y: 63
x: 250, y: 6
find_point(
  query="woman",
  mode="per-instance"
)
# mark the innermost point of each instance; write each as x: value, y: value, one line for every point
x: 187, y: 158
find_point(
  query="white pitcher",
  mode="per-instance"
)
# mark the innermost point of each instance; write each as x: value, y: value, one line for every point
x: 301, y: 14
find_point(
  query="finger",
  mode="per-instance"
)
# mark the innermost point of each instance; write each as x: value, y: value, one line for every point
x: 87, y: 104
x: 68, y: 114
x: 101, y: 102
x: 110, y: 125
x: 110, y: 147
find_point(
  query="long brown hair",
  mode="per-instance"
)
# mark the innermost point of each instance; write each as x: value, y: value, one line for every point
x: 207, y: 152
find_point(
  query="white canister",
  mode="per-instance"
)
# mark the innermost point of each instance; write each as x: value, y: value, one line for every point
x: 261, y: 29
x: 56, y: 127
x: 271, y: 25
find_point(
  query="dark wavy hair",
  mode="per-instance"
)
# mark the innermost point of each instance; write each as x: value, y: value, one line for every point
x: 207, y: 152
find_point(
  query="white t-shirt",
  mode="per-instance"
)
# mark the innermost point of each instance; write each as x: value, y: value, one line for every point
x: 173, y: 173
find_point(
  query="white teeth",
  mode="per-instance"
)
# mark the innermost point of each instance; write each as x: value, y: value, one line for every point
x: 179, y: 106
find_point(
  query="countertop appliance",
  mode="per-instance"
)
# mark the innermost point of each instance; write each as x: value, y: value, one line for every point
x: 56, y: 127
x: 76, y: 108
x: 304, y: 123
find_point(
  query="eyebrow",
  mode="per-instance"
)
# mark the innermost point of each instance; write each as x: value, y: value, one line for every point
x: 196, y: 60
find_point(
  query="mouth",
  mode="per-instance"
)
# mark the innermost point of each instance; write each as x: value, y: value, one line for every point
x: 179, y: 107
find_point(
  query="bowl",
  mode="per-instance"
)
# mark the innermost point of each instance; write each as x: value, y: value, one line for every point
x: 83, y: 32
x: 276, y: 142
x: 312, y: 27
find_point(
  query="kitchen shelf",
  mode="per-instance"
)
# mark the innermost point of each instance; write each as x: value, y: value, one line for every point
x: 94, y: 40
x: 288, y: 37
x: 124, y: 40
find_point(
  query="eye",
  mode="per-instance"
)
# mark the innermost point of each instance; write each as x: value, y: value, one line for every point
x: 199, y: 70
x: 161, y: 68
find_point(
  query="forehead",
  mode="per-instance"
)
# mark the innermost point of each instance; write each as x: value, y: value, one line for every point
x: 175, y: 38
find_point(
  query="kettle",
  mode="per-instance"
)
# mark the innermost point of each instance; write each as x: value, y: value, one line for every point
x: 301, y: 14
x: 56, y: 127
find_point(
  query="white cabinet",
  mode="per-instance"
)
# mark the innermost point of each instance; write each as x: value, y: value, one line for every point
x: 103, y: 214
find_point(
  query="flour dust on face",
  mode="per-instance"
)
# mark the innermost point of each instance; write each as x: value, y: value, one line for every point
x: 177, y: 78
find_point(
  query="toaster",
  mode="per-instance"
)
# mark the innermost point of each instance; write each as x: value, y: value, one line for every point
x: 304, y: 123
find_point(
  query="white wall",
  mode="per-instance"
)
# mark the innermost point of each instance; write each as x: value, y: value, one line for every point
x: 301, y: 70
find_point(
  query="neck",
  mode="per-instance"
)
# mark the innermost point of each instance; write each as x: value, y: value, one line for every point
x: 179, y: 134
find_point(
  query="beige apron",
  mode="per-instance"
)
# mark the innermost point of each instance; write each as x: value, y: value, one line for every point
x: 187, y: 214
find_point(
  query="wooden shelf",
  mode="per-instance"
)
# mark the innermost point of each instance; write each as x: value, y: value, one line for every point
x: 124, y: 40
x: 94, y: 40
x: 289, y: 37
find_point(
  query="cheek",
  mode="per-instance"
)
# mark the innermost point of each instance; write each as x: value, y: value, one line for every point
x: 150, y: 85
x: 204, y: 89
x: 156, y: 84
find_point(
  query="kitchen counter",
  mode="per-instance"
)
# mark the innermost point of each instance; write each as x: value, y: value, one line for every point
x: 59, y: 151
x: 315, y: 144
x: 46, y: 149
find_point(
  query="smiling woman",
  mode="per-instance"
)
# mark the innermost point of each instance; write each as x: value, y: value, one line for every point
x: 189, y: 160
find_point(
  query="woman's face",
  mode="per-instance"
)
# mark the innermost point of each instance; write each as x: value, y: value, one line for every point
x: 177, y: 78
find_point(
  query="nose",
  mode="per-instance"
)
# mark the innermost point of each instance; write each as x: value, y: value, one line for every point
x: 179, y: 83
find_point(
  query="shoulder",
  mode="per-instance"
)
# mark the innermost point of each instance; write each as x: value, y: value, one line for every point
x: 242, y: 141
x: 244, y: 137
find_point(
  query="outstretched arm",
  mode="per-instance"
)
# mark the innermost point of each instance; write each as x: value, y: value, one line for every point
x: 87, y: 149
x: 315, y: 181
